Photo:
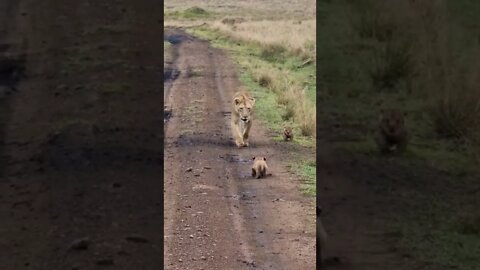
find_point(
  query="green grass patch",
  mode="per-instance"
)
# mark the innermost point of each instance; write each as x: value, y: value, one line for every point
x: 192, y: 13
x: 307, y: 170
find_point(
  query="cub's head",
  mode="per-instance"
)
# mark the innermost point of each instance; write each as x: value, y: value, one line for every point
x: 392, y: 121
x: 287, y: 130
x: 244, y: 107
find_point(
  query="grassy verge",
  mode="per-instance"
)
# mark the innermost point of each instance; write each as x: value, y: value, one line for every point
x: 270, y: 108
x: 191, y: 13
x: 167, y: 46
x: 377, y: 54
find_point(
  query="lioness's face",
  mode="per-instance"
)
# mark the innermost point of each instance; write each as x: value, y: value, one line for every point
x: 244, y: 109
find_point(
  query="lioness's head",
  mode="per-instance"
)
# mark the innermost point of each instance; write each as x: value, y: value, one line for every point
x: 244, y: 107
x: 391, y: 121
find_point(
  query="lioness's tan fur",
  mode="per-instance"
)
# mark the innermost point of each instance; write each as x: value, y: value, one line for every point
x: 242, y: 109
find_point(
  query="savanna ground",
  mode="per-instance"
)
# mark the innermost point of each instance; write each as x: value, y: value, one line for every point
x: 411, y: 211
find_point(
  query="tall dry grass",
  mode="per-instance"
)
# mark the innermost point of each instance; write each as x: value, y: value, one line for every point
x: 278, y: 38
x: 296, y: 36
x: 291, y: 95
x: 265, y: 9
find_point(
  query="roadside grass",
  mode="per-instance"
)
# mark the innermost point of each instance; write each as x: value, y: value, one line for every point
x: 269, y: 108
x: 293, y: 85
x: 191, y: 13
x: 167, y: 52
x: 373, y: 54
x: 306, y: 169
x: 278, y: 37
x: 266, y: 9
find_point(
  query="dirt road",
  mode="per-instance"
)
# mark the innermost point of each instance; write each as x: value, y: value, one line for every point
x: 81, y: 134
x: 216, y: 215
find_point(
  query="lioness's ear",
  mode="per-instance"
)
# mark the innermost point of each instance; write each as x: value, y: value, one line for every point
x: 265, y: 158
x: 252, y: 100
x: 237, y: 101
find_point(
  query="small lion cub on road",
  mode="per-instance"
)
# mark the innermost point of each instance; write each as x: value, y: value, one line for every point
x: 259, y: 168
x: 287, y: 133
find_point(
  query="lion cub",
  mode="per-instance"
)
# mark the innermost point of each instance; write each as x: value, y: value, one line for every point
x: 287, y: 133
x: 259, y: 168
x: 391, y: 133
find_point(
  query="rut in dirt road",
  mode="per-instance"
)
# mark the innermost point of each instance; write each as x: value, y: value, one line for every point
x: 216, y: 215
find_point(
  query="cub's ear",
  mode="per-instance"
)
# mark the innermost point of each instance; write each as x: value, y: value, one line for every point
x: 253, y: 158
x: 252, y: 100
x: 265, y: 159
x: 237, y: 101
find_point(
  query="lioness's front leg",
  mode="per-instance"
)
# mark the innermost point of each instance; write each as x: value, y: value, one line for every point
x: 246, y: 132
x: 236, y: 134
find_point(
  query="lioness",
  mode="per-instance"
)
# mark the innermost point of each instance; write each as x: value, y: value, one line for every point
x: 391, y: 133
x: 321, y: 236
x: 242, y: 109
x: 259, y: 168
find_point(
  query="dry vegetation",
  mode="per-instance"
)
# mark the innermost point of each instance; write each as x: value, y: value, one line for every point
x: 291, y: 94
x: 296, y: 36
x: 282, y: 29
x: 250, y: 9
